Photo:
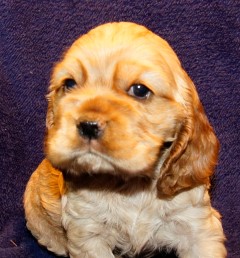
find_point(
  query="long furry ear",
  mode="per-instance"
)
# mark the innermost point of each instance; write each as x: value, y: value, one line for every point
x: 49, y: 116
x: 194, y: 153
x: 50, y: 110
x: 54, y: 91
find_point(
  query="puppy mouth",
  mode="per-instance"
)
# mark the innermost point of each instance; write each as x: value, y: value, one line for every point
x: 101, y: 144
x: 92, y: 154
x: 91, y: 160
x: 91, y: 146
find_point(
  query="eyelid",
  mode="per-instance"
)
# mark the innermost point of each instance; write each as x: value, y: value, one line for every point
x: 132, y: 93
x: 69, y: 83
x: 142, y: 82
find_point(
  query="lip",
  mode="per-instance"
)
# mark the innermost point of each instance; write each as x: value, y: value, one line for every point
x: 91, y: 146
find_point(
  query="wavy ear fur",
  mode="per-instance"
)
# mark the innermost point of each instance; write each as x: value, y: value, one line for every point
x: 54, y: 93
x: 50, y: 112
x: 193, y: 156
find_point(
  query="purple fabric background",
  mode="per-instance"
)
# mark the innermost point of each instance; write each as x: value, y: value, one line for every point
x: 206, y: 37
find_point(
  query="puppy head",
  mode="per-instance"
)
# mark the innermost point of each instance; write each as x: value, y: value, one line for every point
x: 120, y: 103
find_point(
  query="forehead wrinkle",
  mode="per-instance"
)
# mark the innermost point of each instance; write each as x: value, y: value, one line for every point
x: 99, y: 68
x: 128, y: 70
x: 102, y: 49
x: 94, y: 67
x: 107, y: 43
x: 155, y: 75
x: 100, y: 71
x: 69, y: 68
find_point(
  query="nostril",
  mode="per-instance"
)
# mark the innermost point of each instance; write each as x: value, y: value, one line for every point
x: 89, y: 129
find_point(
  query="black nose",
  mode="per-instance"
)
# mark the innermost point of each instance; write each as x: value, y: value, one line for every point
x: 89, y: 129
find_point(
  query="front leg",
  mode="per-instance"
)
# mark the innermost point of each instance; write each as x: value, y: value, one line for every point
x: 42, y: 203
x: 88, y: 236
x: 90, y: 249
x: 206, y: 239
x: 88, y: 240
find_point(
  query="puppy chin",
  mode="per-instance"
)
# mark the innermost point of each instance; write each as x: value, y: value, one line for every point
x: 81, y: 163
x: 92, y: 164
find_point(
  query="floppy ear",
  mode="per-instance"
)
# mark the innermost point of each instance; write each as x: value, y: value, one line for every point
x: 50, y: 110
x: 54, y: 92
x: 194, y: 153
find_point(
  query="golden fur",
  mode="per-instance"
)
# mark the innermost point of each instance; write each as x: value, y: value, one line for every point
x: 143, y: 183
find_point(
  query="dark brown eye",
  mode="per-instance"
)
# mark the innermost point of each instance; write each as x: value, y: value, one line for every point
x: 139, y: 91
x: 69, y: 84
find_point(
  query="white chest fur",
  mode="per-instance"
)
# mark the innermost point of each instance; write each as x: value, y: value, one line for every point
x: 133, y: 222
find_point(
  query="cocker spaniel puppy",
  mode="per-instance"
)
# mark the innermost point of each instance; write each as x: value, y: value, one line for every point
x: 129, y: 153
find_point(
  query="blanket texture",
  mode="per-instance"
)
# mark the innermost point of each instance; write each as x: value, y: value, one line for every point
x: 206, y: 37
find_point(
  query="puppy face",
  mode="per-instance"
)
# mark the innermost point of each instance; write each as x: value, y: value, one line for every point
x: 116, y: 100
